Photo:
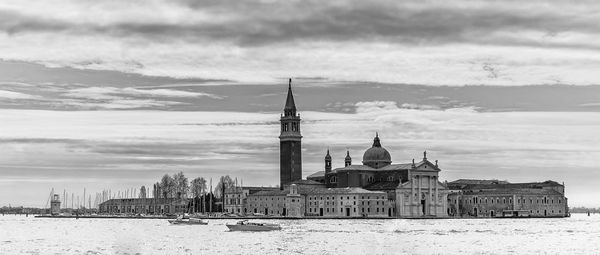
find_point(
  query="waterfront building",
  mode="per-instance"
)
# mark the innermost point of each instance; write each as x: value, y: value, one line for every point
x: 302, y: 200
x: 235, y: 197
x: 483, y: 198
x: 144, y: 206
x: 55, y: 205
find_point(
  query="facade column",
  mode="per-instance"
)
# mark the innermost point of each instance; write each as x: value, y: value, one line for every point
x: 412, y: 194
x: 430, y: 195
x: 437, y: 194
x: 419, y: 194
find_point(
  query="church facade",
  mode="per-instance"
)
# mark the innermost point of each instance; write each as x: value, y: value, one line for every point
x: 413, y: 189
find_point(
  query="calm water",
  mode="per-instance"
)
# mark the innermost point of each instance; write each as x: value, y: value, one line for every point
x: 579, y: 234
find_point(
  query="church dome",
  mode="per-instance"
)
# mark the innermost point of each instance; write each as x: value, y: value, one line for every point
x: 377, y: 156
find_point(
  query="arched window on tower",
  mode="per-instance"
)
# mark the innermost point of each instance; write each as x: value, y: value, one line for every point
x: 333, y: 179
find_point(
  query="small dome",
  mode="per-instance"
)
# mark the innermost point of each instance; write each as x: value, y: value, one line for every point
x: 377, y: 156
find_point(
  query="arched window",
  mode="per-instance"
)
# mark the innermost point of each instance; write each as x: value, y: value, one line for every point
x: 333, y: 179
x: 390, y: 178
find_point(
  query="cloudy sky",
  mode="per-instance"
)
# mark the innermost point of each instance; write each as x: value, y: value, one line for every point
x: 113, y: 94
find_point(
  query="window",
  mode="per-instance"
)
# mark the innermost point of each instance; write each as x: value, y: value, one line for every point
x: 333, y: 179
x: 390, y: 178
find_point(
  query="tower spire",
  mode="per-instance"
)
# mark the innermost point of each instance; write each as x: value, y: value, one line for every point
x: 290, y: 105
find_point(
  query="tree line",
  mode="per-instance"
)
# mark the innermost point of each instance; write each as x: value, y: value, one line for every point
x: 179, y: 186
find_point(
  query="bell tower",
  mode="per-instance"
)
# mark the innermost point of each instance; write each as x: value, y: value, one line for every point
x: 290, y: 148
x: 348, y: 159
x: 327, y: 163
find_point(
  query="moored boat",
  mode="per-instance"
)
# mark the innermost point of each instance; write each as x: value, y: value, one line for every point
x: 190, y: 221
x: 252, y: 226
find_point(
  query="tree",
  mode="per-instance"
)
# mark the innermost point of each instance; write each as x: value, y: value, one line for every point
x: 167, y: 186
x: 182, y: 186
x: 142, y: 192
x: 198, y: 186
x: 156, y: 192
x: 224, y: 182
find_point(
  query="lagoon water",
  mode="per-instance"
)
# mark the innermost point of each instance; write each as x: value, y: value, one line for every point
x: 579, y: 234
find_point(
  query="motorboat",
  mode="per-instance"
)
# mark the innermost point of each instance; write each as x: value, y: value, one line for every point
x: 190, y: 221
x: 245, y: 225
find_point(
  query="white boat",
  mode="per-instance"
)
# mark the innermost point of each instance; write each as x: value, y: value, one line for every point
x: 252, y: 226
x: 191, y: 221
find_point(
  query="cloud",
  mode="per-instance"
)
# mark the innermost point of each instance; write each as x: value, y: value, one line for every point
x: 407, y: 22
x: 126, y: 98
x: 107, y: 92
x: 433, y: 42
x: 15, y: 95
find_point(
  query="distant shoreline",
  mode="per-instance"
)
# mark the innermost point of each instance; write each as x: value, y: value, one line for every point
x: 277, y: 218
